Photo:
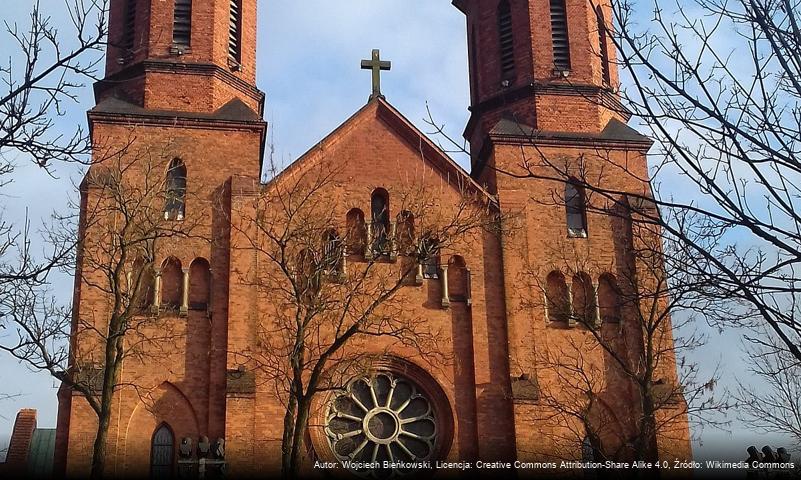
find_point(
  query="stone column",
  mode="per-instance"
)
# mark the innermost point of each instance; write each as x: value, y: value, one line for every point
x: 368, y: 249
x: 393, y: 245
x: 597, y: 304
x: 418, y: 277
x: 184, y: 310
x: 571, y: 318
x: 446, y: 301
x: 156, y: 291
x: 469, y: 292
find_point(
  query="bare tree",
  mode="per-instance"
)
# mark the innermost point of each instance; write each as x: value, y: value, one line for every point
x: 773, y: 405
x: 337, y: 289
x: 130, y: 211
x: 628, y: 345
x: 40, y: 76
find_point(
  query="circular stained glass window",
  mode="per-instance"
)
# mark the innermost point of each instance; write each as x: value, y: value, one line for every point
x: 382, y: 418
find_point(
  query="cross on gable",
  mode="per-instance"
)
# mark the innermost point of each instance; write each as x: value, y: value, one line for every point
x: 376, y: 65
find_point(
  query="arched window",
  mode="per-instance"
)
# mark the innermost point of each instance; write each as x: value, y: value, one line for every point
x: 379, y: 208
x: 556, y: 295
x: 609, y: 299
x: 559, y: 36
x: 332, y: 252
x: 357, y: 233
x: 405, y: 233
x: 175, y: 205
x: 171, y: 283
x: 140, y: 285
x: 506, y: 38
x: 430, y: 257
x: 199, y: 284
x: 458, y: 288
x: 182, y: 23
x: 583, y: 298
x: 603, y: 47
x: 576, y: 209
x: 162, y: 452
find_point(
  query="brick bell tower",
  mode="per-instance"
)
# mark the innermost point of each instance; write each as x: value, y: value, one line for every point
x: 544, y: 107
x: 546, y: 64
x: 179, y: 92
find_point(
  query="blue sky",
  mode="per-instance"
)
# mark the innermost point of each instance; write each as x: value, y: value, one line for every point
x: 309, y: 53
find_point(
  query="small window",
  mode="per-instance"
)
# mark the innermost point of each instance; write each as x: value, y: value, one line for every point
x: 129, y: 25
x: 603, y: 47
x: 182, y: 23
x: 506, y: 37
x: 458, y: 280
x: 175, y: 205
x: 235, y: 32
x: 556, y: 295
x: 430, y: 257
x: 379, y: 207
x: 576, y: 210
x: 559, y: 35
x: 162, y: 455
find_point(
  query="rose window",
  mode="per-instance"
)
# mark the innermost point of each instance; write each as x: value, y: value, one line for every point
x: 378, y: 419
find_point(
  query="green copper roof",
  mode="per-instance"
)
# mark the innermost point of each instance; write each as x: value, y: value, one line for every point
x: 40, y: 455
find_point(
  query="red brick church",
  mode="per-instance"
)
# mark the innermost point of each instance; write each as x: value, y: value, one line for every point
x: 180, y: 77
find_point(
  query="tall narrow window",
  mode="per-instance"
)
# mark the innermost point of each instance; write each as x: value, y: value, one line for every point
x: 507, y: 40
x: 162, y: 453
x: 379, y: 207
x: 182, y: 23
x: 129, y: 25
x: 473, y: 66
x: 332, y: 253
x: 603, y: 48
x: 357, y: 232
x: 235, y: 32
x: 559, y: 37
x: 199, y: 284
x: 171, y: 283
x: 583, y: 298
x: 175, y: 204
x: 576, y: 209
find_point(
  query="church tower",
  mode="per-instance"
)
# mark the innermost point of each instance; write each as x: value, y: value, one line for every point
x: 179, y: 106
x: 546, y: 121
x: 547, y: 64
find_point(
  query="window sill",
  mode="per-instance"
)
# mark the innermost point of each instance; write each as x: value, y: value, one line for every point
x: 577, y: 234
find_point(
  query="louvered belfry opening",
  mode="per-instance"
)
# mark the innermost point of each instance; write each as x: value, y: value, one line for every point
x: 182, y: 22
x: 234, y: 31
x: 129, y: 25
x: 603, y: 48
x: 506, y: 40
x: 561, y: 43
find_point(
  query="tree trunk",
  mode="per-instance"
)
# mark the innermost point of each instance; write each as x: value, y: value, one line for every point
x: 110, y: 377
x: 301, y: 422
x: 288, y: 437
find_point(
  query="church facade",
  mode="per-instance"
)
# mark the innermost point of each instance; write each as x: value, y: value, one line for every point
x: 180, y: 90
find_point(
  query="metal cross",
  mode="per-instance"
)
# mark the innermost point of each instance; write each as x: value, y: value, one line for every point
x: 376, y: 65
